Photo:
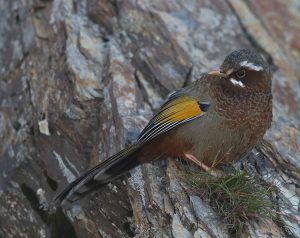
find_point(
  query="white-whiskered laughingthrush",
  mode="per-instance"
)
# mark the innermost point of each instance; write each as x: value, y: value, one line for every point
x: 213, y: 121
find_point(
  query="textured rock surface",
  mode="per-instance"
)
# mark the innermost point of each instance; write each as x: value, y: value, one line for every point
x: 80, y: 78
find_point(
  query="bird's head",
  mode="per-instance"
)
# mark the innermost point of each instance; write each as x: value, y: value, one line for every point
x: 245, y: 69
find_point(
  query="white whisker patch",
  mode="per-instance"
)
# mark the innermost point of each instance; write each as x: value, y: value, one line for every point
x: 251, y: 66
x: 237, y: 83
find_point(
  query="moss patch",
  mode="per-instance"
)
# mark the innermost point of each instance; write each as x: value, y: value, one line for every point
x: 236, y: 198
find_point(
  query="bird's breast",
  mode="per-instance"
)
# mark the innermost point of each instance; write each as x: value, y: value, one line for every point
x: 249, y: 111
x: 217, y: 139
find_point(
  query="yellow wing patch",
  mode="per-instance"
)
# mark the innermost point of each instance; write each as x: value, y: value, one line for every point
x: 179, y: 109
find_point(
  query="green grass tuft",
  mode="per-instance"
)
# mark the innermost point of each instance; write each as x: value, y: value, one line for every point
x: 236, y: 198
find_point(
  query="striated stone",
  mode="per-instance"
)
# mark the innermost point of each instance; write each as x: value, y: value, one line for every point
x: 178, y: 229
x: 97, y: 71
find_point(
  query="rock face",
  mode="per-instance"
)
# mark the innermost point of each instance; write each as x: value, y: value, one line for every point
x: 80, y: 78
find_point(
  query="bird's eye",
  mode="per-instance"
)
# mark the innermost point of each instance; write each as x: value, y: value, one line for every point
x: 241, y: 73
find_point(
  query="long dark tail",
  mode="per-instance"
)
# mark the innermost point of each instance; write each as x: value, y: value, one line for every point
x: 103, y: 173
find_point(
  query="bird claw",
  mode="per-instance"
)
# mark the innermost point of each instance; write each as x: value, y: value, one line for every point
x: 212, y: 171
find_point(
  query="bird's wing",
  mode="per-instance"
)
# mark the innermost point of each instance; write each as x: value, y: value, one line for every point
x: 179, y: 108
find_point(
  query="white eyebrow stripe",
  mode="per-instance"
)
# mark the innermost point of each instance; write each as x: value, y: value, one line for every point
x: 237, y: 83
x: 251, y: 66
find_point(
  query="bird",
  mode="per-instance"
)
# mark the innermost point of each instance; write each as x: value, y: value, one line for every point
x: 215, y: 120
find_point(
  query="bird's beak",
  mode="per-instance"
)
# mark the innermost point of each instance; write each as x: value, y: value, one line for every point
x: 217, y: 73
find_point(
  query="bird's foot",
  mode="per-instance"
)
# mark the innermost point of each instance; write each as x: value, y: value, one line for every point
x: 213, y: 171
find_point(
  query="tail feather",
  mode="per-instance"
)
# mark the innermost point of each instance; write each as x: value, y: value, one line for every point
x: 102, y: 174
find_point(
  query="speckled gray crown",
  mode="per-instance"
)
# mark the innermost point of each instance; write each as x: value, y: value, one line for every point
x: 234, y: 60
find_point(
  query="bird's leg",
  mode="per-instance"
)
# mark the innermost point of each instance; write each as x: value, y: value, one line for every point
x: 212, y: 171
